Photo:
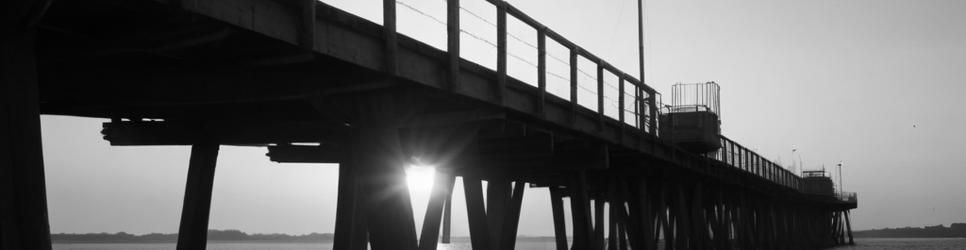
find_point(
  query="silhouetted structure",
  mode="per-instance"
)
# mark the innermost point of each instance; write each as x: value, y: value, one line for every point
x: 278, y: 74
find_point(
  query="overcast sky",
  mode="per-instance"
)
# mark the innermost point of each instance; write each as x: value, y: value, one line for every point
x: 837, y: 80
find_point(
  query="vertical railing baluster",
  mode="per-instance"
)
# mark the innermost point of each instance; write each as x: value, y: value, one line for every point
x: 600, y: 95
x: 501, y: 51
x: 542, y: 69
x: 620, y: 101
x: 652, y: 104
x: 637, y: 108
x: 453, y: 42
x: 389, y: 33
x: 573, y: 83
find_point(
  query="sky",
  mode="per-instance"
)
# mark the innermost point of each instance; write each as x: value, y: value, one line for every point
x: 873, y: 84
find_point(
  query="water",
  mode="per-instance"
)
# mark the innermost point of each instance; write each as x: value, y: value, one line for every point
x: 906, y: 243
x: 860, y: 244
x: 548, y: 245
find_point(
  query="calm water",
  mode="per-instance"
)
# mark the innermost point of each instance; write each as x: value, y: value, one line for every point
x: 860, y: 244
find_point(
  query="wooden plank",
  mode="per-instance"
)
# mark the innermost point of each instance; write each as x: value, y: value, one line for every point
x: 192, y: 234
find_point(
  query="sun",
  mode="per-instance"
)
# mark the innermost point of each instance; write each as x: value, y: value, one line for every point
x: 419, y: 180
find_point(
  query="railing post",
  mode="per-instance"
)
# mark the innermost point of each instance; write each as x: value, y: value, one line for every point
x: 652, y: 104
x: 501, y: 55
x: 573, y: 84
x: 637, y: 108
x: 453, y: 42
x: 620, y: 101
x: 389, y: 33
x: 307, y: 27
x: 542, y: 69
x: 600, y: 95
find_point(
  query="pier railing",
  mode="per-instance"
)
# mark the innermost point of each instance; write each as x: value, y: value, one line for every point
x: 738, y: 156
x: 644, y: 103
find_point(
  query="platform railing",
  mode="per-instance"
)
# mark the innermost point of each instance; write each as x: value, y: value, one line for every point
x: 850, y: 197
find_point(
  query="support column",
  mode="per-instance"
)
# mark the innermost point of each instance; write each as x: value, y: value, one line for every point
x: 389, y: 218
x: 559, y: 226
x: 511, y: 217
x: 448, y: 216
x: 580, y: 210
x: 848, y: 227
x: 193, y: 232
x: 475, y: 211
x: 350, y: 224
x: 23, y: 196
x: 441, y: 188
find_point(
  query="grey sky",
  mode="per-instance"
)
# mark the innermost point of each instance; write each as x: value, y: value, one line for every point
x: 838, y: 80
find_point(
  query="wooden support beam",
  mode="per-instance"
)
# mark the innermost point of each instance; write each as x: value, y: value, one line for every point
x: 193, y: 232
x: 305, y: 154
x: 442, y: 186
x: 848, y: 227
x: 497, y: 198
x: 559, y: 224
x: 447, y: 217
x: 511, y: 217
x: 143, y: 133
x: 23, y: 197
x: 350, y: 220
x: 389, y: 214
x: 476, y: 213
x: 583, y: 232
x: 599, y: 225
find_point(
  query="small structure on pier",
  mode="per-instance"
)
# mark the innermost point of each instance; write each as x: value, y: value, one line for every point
x: 817, y: 182
x: 692, y: 121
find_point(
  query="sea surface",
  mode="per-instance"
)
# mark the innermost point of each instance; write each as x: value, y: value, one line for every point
x: 860, y: 244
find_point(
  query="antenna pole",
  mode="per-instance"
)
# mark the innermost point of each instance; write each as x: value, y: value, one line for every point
x: 640, y: 37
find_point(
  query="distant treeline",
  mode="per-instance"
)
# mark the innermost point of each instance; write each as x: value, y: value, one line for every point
x: 224, y: 235
x: 213, y: 235
x: 956, y: 230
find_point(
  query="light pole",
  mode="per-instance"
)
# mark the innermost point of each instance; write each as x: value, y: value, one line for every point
x: 841, y: 184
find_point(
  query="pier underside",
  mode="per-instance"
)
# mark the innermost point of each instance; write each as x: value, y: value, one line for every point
x: 281, y: 74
